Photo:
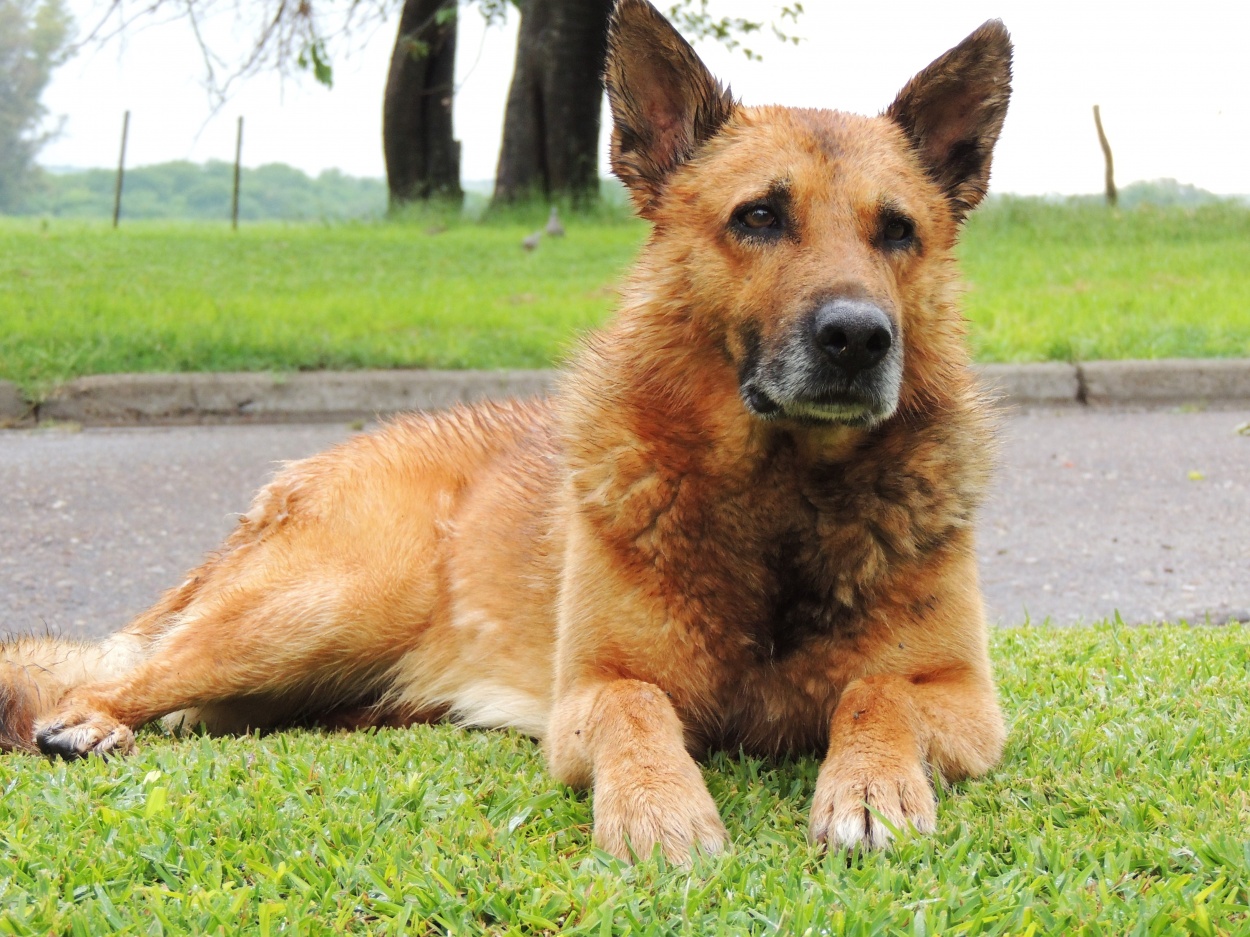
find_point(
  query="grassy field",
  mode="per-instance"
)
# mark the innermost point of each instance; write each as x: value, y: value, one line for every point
x: 1052, y: 282
x: 80, y: 299
x: 1047, y: 281
x: 1121, y: 807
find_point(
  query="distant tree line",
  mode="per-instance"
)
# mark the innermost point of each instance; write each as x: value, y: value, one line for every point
x: 1157, y: 193
x: 183, y: 190
x: 277, y: 192
x: 1161, y: 193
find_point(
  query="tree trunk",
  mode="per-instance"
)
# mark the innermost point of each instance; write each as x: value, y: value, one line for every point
x: 422, y: 156
x: 551, y: 126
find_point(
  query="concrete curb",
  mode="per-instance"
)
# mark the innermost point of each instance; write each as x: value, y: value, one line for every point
x: 1165, y: 382
x: 338, y: 396
x: 313, y: 396
x: 1049, y: 384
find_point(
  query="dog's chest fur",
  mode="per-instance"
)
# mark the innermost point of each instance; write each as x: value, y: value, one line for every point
x: 769, y: 569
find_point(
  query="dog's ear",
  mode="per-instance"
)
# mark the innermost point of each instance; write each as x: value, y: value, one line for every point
x: 953, y: 111
x: 664, y: 101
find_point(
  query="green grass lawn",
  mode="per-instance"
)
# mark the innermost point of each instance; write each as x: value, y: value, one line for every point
x: 1121, y: 807
x: 1079, y: 283
x: 1048, y: 281
x: 81, y: 299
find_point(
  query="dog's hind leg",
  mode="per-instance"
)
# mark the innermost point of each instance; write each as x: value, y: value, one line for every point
x: 292, y: 649
x: 326, y: 584
x: 36, y: 671
x: 298, y: 646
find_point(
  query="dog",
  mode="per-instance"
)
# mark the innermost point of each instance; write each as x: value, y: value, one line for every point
x: 744, y: 520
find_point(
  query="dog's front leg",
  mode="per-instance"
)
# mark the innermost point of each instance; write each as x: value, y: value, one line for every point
x: 888, y: 734
x: 624, y: 738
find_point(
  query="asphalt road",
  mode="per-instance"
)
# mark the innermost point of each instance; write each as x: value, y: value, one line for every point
x: 1093, y: 512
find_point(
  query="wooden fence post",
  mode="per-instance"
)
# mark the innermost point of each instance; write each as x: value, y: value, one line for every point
x: 1112, y: 195
x: 121, y: 171
x: 238, y: 157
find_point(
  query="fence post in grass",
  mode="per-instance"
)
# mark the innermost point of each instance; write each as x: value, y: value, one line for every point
x: 238, y: 156
x: 1112, y: 195
x: 121, y: 171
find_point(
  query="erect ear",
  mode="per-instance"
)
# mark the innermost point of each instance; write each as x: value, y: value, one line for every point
x: 664, y: 101
x: 953, y: 111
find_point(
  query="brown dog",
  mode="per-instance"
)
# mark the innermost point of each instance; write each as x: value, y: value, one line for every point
x: 745, y: 520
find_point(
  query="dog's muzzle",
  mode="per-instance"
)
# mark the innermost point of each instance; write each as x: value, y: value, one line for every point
x: 844, y: 364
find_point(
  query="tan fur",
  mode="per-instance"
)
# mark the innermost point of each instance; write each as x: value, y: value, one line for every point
x: 640, y: 569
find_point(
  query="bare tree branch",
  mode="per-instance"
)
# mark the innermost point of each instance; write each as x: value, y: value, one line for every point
x: 295, y: 36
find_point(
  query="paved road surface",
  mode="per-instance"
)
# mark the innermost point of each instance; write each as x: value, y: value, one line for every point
x: 1093, y: 512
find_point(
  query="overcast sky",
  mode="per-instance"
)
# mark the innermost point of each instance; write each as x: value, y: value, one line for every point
x: 1173, y: 81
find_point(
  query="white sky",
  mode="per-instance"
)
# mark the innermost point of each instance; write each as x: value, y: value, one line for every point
x: 1173, y: 81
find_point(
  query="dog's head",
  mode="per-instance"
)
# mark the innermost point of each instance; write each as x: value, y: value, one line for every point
x: 816, y: 245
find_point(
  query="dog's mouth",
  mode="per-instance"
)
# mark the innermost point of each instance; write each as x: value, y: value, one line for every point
x: 847, y: 409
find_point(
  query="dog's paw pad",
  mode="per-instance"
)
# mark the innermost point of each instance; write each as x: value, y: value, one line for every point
x: 81, y: 735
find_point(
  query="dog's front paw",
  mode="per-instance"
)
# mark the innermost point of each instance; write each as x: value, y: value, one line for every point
x: 637, y: 809
x: 853, y: 795
x: 76, y: 733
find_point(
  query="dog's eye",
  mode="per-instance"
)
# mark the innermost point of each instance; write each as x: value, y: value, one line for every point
x: 757, y: 218
x: 896, y: 232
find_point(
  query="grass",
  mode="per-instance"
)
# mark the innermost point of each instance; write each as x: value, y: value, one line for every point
x: 80, y: 299
x: 1060, y: 282
x: 1048, y: 282
x: 1121, y: 807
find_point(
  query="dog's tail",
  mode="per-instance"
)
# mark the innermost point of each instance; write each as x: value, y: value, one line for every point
x: 36, y: 672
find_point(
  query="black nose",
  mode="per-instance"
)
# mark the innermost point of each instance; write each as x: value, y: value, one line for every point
x: 854, y: 334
